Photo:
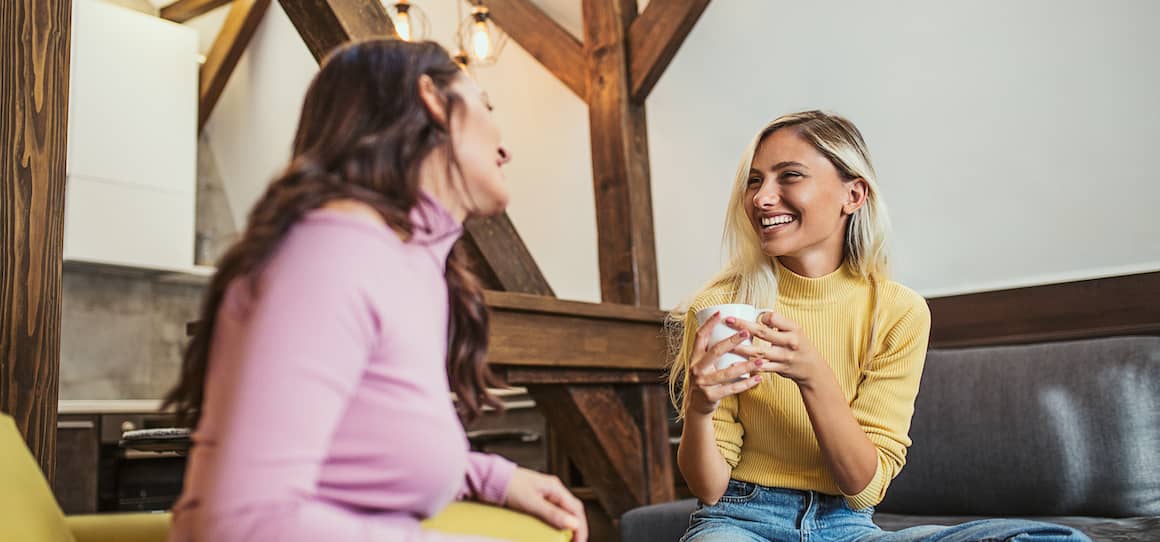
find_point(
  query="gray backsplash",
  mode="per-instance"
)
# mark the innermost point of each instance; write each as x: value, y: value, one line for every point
x: 123, y: 331
x: 122, y: 334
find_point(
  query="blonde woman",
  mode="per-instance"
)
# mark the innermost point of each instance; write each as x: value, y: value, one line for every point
x: 802, y: 440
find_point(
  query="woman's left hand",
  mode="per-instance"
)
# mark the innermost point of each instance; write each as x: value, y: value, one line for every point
x: 546, y: 498
x: 789, y: 353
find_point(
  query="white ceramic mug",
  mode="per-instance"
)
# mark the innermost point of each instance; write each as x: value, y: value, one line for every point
x: 720, y: 332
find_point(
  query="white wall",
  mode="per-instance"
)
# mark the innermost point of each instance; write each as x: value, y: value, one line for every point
x: 1011, y: 138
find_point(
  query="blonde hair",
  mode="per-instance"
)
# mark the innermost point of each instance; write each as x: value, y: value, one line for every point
x: 752, y: 273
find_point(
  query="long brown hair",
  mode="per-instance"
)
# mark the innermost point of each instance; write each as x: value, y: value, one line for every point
x: 363, y: 134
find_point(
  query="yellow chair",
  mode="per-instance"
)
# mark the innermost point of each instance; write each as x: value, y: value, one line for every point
x: 29, y: 512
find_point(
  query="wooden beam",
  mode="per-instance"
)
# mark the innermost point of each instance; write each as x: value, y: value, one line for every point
x: 1124, y: 305
x: 184, y: 10
x: 506, y: 257
x: 511, y: 301
x: 529, y: 331
x: 326, y: 24
x: 620, y: 166
x: 601, y: 439
x: 656, y: 451
x: 543, y: 38
x: 241, y: 23
x: 34, y: 71
x: 655, y: 36
x: 523, y: 376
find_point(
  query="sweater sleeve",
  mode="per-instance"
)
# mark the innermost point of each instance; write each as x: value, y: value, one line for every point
x: 727, y: 427
x: 487, y: 478
x: 884, y: 402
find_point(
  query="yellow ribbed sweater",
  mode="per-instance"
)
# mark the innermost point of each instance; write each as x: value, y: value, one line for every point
x: 765, y: 434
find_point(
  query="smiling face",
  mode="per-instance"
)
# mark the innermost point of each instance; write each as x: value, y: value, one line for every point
x: 799, y: 203
x: 478, y: 148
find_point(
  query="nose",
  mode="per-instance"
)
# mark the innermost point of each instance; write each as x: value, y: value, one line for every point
x: 505, y: 155
x: 766, y: 196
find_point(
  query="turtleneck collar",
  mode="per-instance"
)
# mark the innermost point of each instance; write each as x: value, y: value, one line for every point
x: 796, y: 289
x: 434, y: 228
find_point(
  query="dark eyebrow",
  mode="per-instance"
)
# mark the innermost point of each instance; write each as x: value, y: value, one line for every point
x: 783, y: 165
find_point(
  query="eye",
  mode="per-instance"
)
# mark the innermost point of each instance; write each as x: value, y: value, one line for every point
x: 753, y: 181
x: 790, y: 176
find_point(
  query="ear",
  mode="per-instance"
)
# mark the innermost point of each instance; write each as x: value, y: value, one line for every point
x: 856, y: 192
x: 433, y: 99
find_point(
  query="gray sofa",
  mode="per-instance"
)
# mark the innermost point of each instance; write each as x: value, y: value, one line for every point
x: 1066, y: 432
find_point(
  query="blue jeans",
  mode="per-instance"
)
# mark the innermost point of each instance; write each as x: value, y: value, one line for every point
x: 749, y: 512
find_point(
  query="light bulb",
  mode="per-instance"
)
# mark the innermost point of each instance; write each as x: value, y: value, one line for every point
x: 403, y: 25
x: 480, y: 40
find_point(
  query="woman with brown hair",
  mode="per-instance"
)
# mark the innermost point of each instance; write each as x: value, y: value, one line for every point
x: 318, y: 383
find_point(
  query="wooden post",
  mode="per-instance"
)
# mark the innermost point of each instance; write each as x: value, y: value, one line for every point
x: 619, y: 135
x: 34, y: 72
x: 624, y: 56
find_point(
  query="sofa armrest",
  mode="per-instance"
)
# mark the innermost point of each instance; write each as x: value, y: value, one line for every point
x: 119, y: 527
x: 490, y: 521
x: 457, y: 518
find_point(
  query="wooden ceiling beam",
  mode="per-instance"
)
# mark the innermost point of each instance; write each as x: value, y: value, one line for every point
x: 184, y: 10
x: 326, y: 24
x: 654, y: 38
x: 543, y: 38
x: 232, y: 40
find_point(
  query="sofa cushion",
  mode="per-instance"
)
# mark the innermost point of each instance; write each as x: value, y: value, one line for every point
x: 29, y: 510
x: 665, y: 522
x: 1098, y: 529
x: 1058, y: 429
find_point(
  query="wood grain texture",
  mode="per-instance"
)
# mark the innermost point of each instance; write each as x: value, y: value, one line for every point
x: 1104, y: 307
x: 326, y: 24
x: 543, y: 38
x: 620, y: 163
x: 184, y: 10
x: 479, y: 266
x: 505, y: 256
x: 523, y: 376
x: 601, y: 438
x: 524, y: 338
x: 232, y: 40
x: 560, y: 307
x: 656, y: 452
x: 654, y: 38
x: 34, y: 70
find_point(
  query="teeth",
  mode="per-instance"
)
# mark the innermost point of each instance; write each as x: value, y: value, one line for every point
x: 776, y: 220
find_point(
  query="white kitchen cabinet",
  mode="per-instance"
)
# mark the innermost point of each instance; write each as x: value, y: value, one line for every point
x: 132, y: 139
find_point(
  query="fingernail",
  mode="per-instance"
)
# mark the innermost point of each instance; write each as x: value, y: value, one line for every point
x: 759, y: 362
x: 571, y: 523
x: 744, y: 334
x: 716, y: 314
x: 730, y: 320
x: 757, y: 379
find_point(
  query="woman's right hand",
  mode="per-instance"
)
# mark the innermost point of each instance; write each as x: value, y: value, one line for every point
x: 707, y: 384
